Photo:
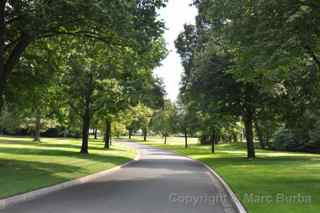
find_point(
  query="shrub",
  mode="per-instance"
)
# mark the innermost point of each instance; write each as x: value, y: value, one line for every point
x: 286, y: 140
x: 51, y: 133
x: 314, y: 142
x: 204, y: 140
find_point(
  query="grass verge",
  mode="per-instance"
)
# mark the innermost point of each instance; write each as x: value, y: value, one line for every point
x: 26, y: 165
x: 274, y: 182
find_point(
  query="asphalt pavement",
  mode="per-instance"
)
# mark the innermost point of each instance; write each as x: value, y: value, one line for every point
x: 160, y: 182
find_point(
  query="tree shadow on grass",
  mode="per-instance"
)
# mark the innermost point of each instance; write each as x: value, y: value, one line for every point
x: 280, y: 174
x: 19, y: 176
x: 94, y: 144
x: 51, y: 148
x: 18, y: 141
x: 62, y: 153
x: 22, y: 176
x: 260, y: 160
x: 72, y: 146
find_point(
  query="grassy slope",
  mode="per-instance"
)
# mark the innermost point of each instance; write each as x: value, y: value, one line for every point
x: 26, y: 165
x: 271, y: 173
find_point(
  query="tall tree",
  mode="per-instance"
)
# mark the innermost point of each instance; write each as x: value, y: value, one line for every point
x: 32, y: 87
x: 113, y: 22
x: 163, y: 121
x: 272, y: 44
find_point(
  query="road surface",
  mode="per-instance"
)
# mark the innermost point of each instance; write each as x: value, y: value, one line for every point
x: 160, y: 182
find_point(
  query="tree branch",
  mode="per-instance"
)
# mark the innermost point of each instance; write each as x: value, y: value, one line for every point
x: 86, y: 34
x: 16, y: 53
x: 74, y: 108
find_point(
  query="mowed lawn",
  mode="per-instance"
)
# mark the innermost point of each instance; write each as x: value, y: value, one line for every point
x: 26, y: 165
x: 275, y: 182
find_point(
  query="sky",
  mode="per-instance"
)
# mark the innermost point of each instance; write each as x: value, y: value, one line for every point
x: 176, y: 14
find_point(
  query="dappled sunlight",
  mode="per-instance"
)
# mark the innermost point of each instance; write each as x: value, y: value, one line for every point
x: 6, y: 139
x: 170, y: 140
x: 234, y: 152
x: 270, y: 173
x: 53, y: 161
x: 278, y: 154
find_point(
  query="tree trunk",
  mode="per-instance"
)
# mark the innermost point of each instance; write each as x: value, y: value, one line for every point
x: 7, y: 63
x: 259, y: 134
x: 37, y: 127
x: 85, y: 130
x: 2, y: 60
x: 110, y: 133
x: 65, y: 133
x: 248, y: 123
x: 107, y: 135
x: 130, y: 133
x: 213, y: 141
x: 267, y: 142
x: 234, y: 137
x: 145, y: 134
x: 165, y: 139
x: 6, y: 66
x: 95, y: 132
x: 186, y: 138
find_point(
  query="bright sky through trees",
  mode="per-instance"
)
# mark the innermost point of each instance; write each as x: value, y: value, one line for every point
x: 176, y: 14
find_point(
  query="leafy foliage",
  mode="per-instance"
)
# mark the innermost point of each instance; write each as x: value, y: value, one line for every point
x: 256, y: 62
x: 78, y: 64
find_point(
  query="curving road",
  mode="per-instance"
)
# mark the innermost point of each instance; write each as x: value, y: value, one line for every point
x: 160, y: 182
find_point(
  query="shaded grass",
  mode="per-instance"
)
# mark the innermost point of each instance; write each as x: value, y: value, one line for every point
x: 270, y: 176
x: 26, y: 165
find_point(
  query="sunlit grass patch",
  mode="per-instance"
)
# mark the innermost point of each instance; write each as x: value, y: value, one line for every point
x: 26, y: 165
x: 271, y: 175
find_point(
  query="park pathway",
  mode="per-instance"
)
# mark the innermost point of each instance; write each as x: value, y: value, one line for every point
x: 160, y: 182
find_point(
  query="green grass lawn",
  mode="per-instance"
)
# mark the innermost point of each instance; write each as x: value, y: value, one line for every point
x: 26, y: 165
x: 271, y: 175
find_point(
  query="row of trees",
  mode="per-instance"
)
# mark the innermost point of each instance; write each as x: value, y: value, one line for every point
x: 254, y: 63
x: 173, y: 119
x: 77, y: 65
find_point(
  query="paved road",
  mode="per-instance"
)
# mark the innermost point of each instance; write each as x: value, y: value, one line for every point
x: 161, y: 182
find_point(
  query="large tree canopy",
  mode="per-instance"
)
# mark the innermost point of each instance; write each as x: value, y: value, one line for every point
x: 254, y: 61
x: 116, y: 23
x: 81, y: 61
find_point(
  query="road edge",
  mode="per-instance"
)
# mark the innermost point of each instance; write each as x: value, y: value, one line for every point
x: 240, y: 207
x: 16, y: 199
x: 237, y: 203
